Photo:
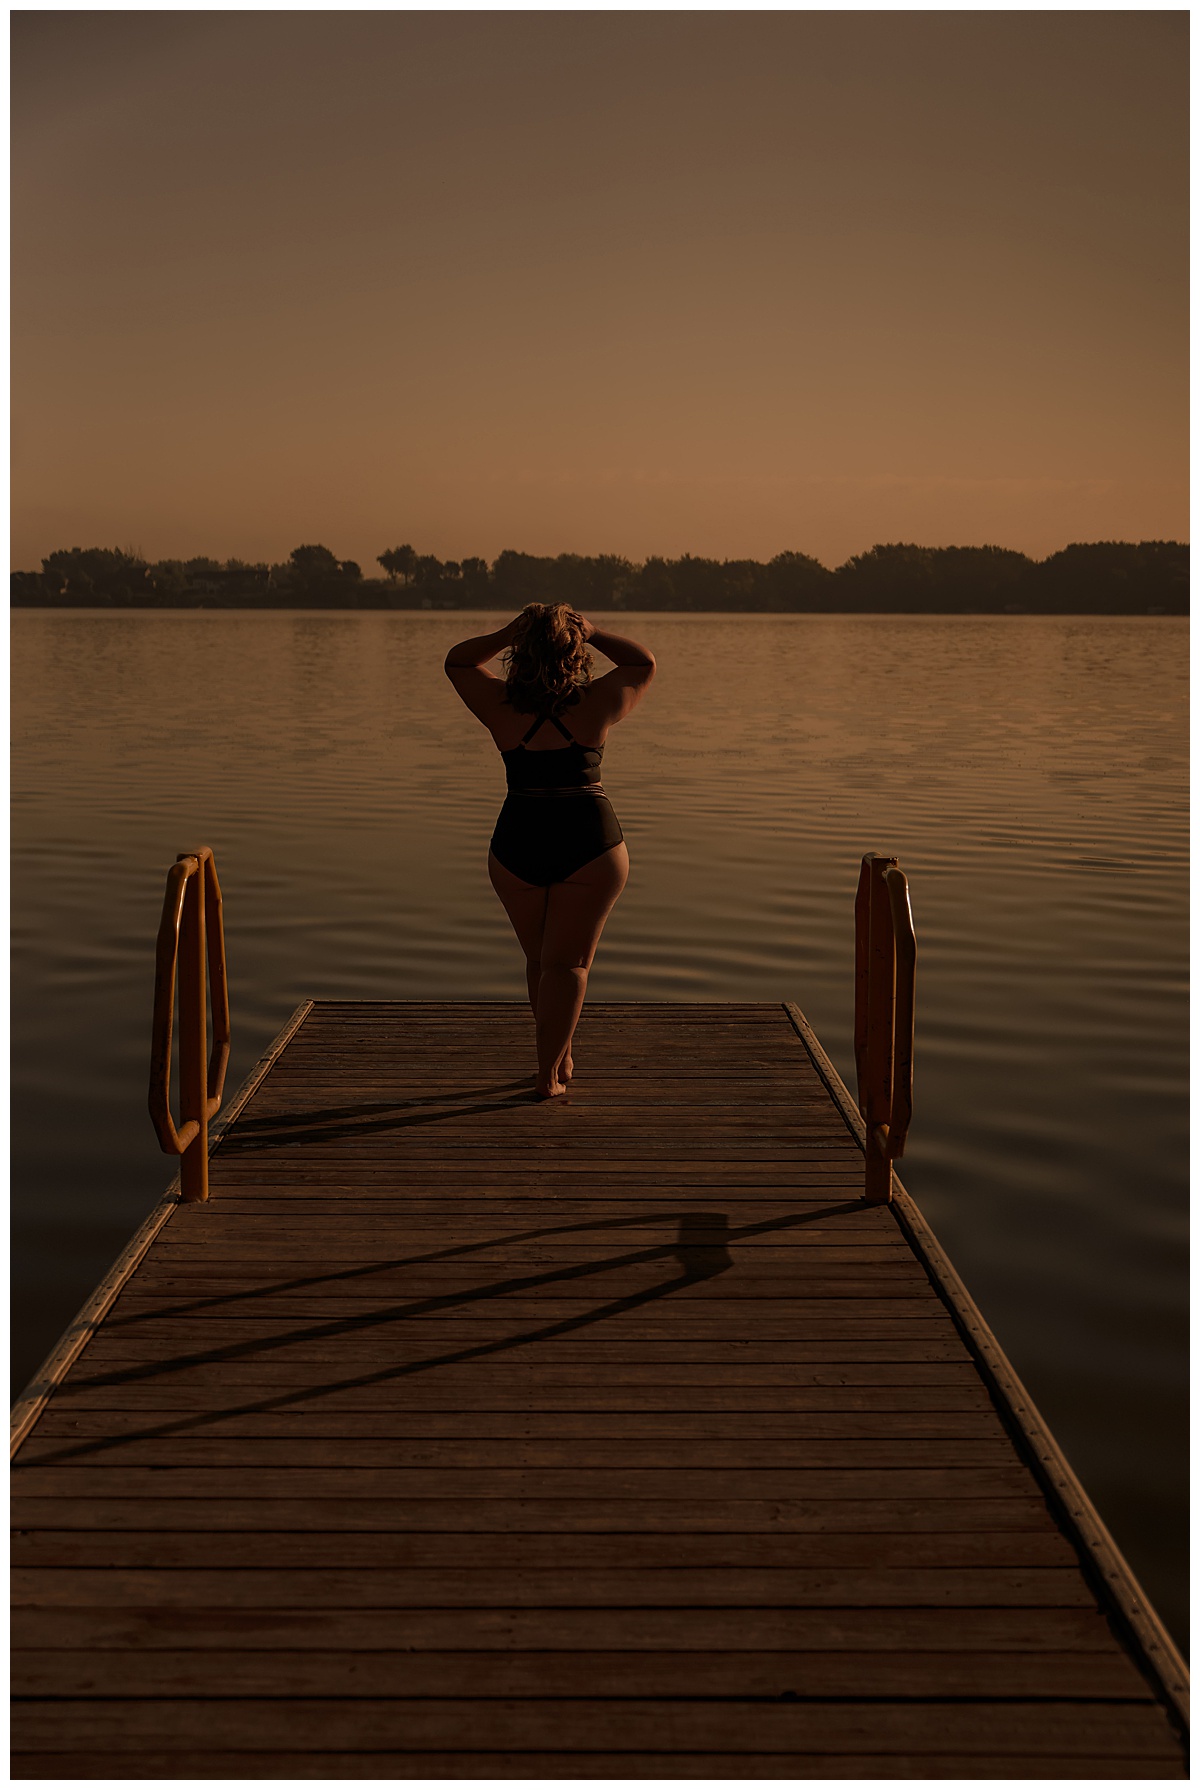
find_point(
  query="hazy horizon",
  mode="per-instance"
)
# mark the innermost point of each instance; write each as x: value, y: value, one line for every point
x: 641, y: 284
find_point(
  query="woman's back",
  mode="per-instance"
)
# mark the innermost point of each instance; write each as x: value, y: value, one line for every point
x: 555, y: 766
x: 587, y: 715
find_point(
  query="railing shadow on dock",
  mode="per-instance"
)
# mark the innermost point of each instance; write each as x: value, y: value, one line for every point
x: 701, y: 1259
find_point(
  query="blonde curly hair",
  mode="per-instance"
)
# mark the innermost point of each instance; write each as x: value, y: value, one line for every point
x: 548, y: 664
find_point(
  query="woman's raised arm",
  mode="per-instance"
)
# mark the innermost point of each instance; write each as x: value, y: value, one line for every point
x: 625, y: 653
x: 465, y: 666
x: 621, y: 689
x: 470, y: 654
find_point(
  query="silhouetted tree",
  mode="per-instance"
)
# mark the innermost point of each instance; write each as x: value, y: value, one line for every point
x: 520, y: 578
x: 170, y: 582
x: 313, y: 565
x: 111, y: 576
x: 1111, y: 578
x: 654, y: 586
x: 931, y: 580
x: 475, y: 582
x: 795, y: 581
x: 399, y: 562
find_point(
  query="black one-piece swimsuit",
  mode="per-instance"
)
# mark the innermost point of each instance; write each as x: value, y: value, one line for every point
x: 556, y: 817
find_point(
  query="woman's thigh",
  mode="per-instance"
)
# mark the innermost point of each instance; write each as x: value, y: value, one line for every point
x: 524, y: 903
x: 578, y: 907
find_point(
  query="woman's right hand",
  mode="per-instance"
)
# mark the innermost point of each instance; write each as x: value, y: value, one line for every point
x: 589, y: 628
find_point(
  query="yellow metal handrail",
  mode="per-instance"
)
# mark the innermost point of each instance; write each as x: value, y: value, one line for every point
x: 191, y: 939
x: 885, y: 958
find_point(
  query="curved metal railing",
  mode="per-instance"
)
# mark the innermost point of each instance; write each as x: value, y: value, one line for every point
x: 885, y: 958
x: 191, y: 941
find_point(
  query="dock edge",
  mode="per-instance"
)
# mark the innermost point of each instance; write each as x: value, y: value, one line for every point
x: 79, y: 1332
x: 1110, y: 1571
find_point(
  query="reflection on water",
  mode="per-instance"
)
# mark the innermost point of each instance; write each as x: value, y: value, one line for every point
x: 1030, y: 774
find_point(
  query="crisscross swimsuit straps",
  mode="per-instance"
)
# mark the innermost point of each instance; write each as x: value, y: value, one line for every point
x: 556, y: 817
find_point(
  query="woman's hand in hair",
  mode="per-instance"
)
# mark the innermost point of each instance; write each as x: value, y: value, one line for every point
x: 589, y: 628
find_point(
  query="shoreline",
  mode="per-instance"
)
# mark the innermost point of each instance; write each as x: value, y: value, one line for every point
x: 1142, y: 612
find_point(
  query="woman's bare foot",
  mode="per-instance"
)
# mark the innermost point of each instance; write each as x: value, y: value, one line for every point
x: 566, y: 1067
x: 549, y: 1090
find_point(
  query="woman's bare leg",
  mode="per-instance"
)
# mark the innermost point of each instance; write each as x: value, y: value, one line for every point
x: 525, y: 905
x: 576, y: 910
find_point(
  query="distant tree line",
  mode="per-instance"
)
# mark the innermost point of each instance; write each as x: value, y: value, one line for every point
x: 1093, y: 578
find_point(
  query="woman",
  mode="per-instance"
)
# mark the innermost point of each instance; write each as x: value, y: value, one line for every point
x: 557, y: 858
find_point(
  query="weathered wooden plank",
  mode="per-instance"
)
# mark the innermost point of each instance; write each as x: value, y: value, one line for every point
x: 596, y: 1482
x: 602, y: 1364
x: 305, y: 1153
x: 325, y: 1254
x: 215, y: 1548
x: 487, y: 1454
x: 340, y: 1111
x: 462, y: 1148
x: 167, y: 1287
x: 323, y: 1763
x: 403, y: 1012
x: 503, y: 1066
x: 399, y: 1425
x: 384, y: 1588
x: 497, y: 1058
x: 794, y: 1386
x: 586, y: 1188
x: 546, y: 1297
x: 769, y: 1267
x: 206, y: 1391
x: 521, y: 1214
x: 285, y: 1253
x: 438, y: 1072
x: 533, y: 1204
x: 334, y: 1084
x: 447, y: 1077
x: 388, y: 1140
x: 329, y: 1673
x: 97, y: 1510
x: 829, y: 1630
x: 830, y: 1167
x: 438, y: 1075
x: 515, y: 1323
x: 1059, y: 1729
x: 660, y: 1306
x: 301, y: 1358
x: 553, y: 1157
x: 403, y: 1084
x: 417, y: 1228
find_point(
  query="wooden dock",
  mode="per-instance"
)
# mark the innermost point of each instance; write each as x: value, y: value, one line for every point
x: 463, y: 1436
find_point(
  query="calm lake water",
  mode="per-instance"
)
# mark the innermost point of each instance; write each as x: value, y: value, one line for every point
x: 1030, y: 774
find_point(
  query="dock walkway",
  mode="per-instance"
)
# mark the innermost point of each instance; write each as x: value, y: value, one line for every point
x: 459, y: 1435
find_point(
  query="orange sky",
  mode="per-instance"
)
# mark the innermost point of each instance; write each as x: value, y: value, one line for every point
x: 639, y: 283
